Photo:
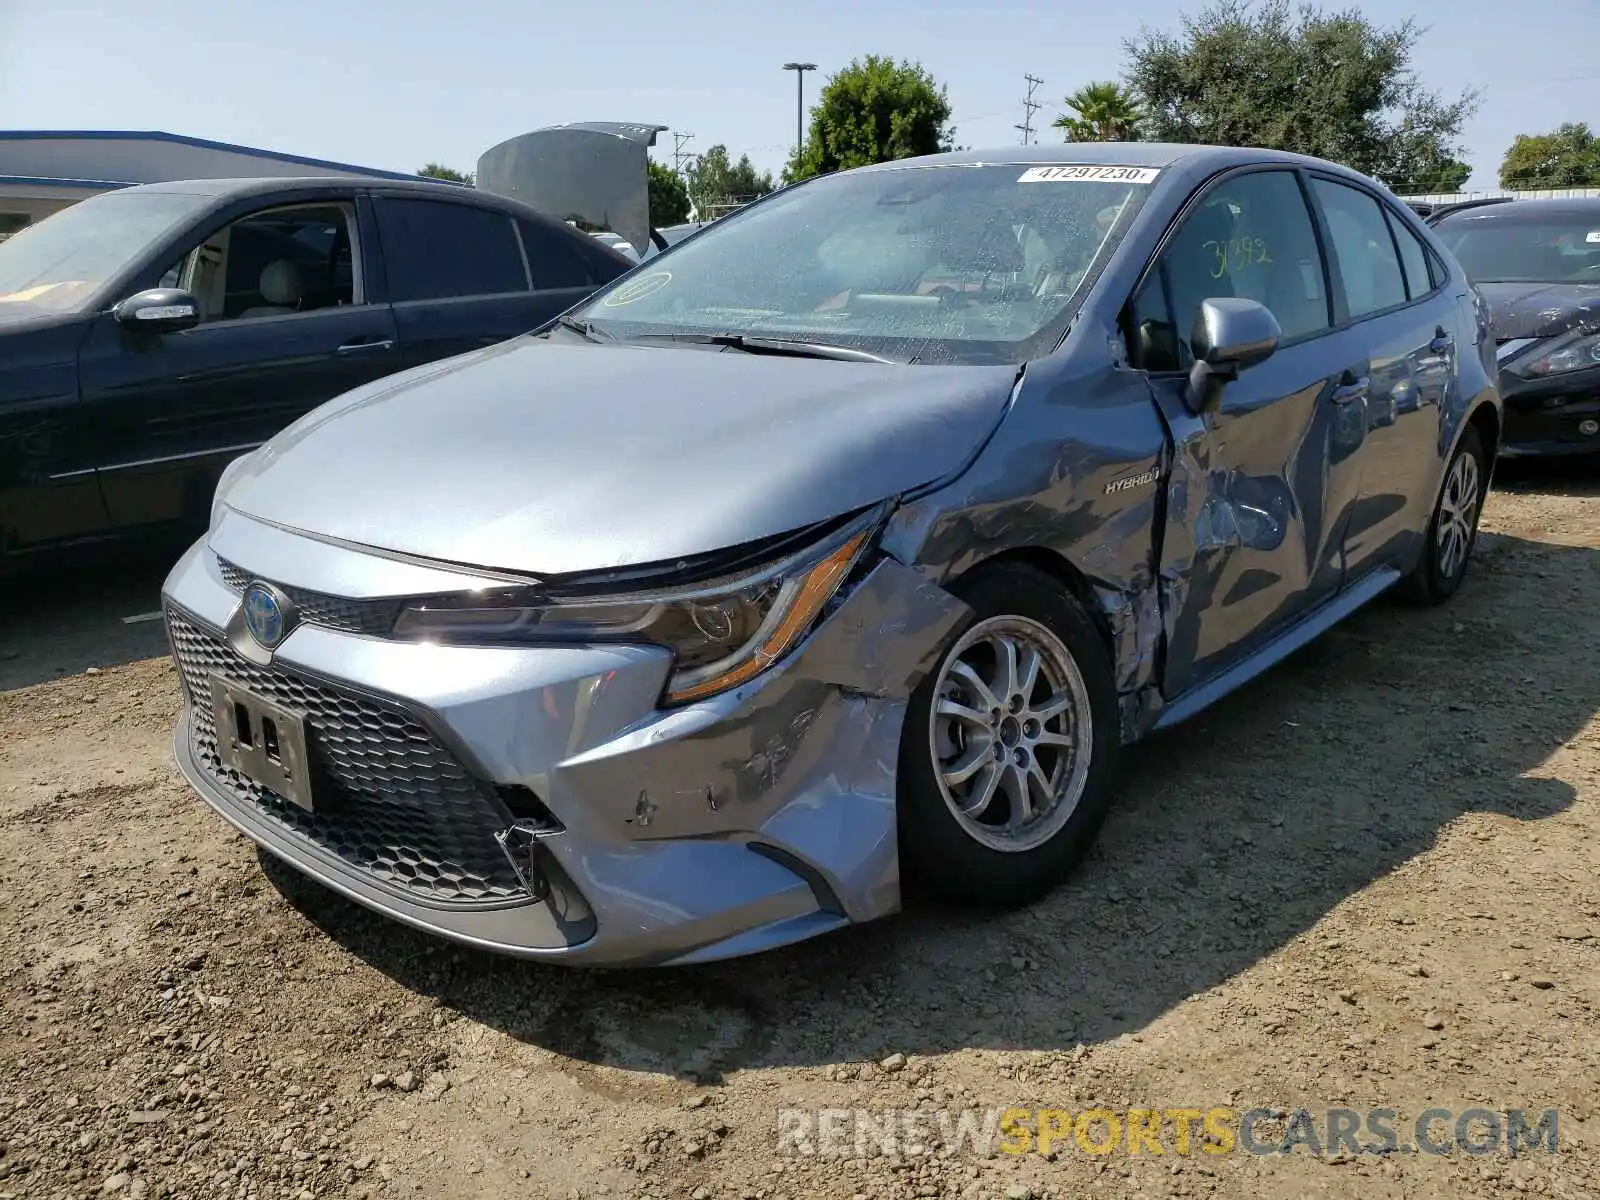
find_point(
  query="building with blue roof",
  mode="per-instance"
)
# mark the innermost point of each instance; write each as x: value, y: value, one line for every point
x: 45, y: 170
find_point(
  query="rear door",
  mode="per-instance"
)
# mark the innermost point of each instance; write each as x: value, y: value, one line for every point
x: 457, y: 275
x: 289, y: 321
x: 1261, y: 544
x: 1389, y: 297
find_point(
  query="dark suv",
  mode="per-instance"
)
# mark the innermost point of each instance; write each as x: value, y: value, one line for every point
x: 152, y: 334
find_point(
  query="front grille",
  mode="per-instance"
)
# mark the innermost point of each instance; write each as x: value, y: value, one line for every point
x: 375, y: 618
x: 391, y: 801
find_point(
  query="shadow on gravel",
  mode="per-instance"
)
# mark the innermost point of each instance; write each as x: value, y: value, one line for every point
x: 1233, y: 835
x: 1575, y: 476
x: 63, y: 621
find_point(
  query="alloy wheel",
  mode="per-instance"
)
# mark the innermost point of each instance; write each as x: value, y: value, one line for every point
x: 1458, y: 514
x: 1011, y: 733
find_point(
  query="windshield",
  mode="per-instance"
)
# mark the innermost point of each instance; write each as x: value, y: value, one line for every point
x: 59, y: 263
x: 926, y: 264
x: 1556, y: 249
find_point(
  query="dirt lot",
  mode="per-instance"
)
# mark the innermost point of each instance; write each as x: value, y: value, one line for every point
x: 1367, y: 881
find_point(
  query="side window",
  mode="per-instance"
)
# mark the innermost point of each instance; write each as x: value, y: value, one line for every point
x: 1154, y: 334
x: 1250, y: 237
x: 552, y: 260
x: 1413, y: 257
x: 603, y: 268
x: 1436, y: 270
x: 272, y: 263
x: 436, y: 249
x: 560, y: 260
x: 1368, y: 265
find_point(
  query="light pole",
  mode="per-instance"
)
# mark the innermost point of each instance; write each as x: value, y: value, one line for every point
x: 799, y: 69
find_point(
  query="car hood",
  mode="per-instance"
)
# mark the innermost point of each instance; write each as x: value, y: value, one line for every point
x: 547, y: 459
x: 1539, y: 310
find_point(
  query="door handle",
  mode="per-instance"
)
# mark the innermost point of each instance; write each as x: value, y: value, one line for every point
x: 1352, y: 390
x: 1442, y: 341
x: 365, y: 347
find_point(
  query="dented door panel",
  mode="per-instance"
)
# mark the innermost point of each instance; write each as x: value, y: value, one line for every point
x: 1257, y: 502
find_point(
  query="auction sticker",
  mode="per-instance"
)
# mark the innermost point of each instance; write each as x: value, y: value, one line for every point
x: 1593, y: 236
x: 1089, y: 173
x: 638, y: 289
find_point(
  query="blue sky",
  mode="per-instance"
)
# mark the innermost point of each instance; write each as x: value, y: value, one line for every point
x: 397, y: 83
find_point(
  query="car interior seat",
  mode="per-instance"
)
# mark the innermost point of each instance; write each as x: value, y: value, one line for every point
x: 281, y: 287
x: 1290, y: 283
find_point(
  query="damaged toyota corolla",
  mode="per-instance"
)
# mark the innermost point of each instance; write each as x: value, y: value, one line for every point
x: 846, y: 543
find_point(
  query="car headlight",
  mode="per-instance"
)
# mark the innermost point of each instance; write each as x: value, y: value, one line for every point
x: 721, y: 634
x: 1572, y: 353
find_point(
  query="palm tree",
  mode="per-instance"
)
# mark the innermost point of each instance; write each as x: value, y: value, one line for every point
x: 1101, y: 112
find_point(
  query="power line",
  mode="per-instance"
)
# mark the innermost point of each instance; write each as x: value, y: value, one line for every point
x: 1029, y: 107
x: 679, y: 141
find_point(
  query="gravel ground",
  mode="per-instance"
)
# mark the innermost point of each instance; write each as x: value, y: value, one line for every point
x: 1365, y: 881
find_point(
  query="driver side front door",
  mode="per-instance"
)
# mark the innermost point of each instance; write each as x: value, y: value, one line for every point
x: 290, y: 322
x: 1263, y: 484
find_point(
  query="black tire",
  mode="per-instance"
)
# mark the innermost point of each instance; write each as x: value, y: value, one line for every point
x: 940, y: 858
x: 1432, y: 580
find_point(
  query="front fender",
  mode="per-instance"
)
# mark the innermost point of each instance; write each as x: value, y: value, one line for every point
x: 1072, y: 478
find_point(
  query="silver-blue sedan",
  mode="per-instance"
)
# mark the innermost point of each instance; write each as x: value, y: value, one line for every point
x: 848, y: 543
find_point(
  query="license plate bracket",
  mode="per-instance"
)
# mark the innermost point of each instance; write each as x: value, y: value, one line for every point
x: 263, y: 741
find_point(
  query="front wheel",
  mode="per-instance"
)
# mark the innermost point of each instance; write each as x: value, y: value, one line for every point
x: 1008, y: 756
x: 1453, y: 531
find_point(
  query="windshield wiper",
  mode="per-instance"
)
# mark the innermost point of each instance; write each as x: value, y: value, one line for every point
x: 584, y: 329
x: 787, y: 347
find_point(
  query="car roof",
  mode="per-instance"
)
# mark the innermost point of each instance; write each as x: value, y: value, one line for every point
x: 1131, y: 154
x: 229, y: 188
x: 223, y: 191
x: 1519, y: 211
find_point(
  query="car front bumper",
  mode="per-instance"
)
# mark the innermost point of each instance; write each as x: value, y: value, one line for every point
x: 533, y: 800
x: 1553, y: 416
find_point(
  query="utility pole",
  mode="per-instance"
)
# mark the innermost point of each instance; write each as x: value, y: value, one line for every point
x: 1029, y: 107
x: 799, y: 69
x: 679, y: 141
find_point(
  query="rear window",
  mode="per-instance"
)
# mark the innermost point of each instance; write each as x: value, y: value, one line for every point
x: 559, y: 261
x: 434, y: 250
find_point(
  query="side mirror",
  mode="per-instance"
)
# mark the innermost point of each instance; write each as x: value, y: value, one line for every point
x: 1230, y: 334
x: 158, y: 310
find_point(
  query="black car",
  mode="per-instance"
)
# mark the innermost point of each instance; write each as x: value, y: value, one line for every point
x: 150, y: 335
x: 1537, y: 263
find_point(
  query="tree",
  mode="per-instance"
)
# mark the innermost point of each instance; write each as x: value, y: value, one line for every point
x: 1101, y: 112
x: 714, y: 181
x: 449, y: 174
x: 1569, y: 157
x: 1330, y: 84
x: 874, y: 110
x: 669, y: 197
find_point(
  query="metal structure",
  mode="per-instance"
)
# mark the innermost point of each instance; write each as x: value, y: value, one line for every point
x: 679, y: 154
x: 1029, y: 107
x: 799, y: 69
x: 597, y: 172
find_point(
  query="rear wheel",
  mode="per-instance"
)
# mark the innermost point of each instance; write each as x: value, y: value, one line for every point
x: 1009, y: 751
x: 1454, y: 529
